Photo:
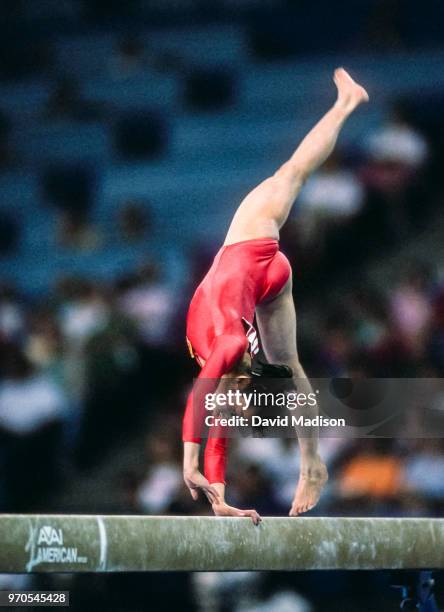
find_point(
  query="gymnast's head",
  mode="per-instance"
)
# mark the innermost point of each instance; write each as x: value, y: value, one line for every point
x: 252, y: 374
x: 240, y: 375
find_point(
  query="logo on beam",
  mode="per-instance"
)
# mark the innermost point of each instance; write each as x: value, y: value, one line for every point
x: 46, y: 544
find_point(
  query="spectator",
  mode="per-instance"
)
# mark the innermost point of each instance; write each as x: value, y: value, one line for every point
x: 252, y: 488
x: 336, y: 349
x: 398, y: 141
x: 164, y: 475
x: 149, y: 303
x: 12, y: 316
x: 331, y: 197
x: 374, y: 472
x: 32, y: 408
x: 45, y: 346
x: 368, y: 311
x: 83, y: 310
x: 279, y: 461
x: 411, y: 309
x: 282, y: 600
x: 70, y: 189
x: 116, y: 389
x: 397, y: 151
x: 75, y: 232
x: 424, y: 468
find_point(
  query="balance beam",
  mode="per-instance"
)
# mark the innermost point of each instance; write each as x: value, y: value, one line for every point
x: 90, y: 543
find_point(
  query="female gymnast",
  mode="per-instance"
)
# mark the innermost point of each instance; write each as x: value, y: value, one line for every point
x: 251, y: 277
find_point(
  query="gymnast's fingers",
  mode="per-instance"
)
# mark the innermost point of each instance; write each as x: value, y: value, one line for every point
x: 194, y: 494
x: 255, y: 517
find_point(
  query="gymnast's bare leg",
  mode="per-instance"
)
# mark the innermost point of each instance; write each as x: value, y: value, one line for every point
x: 277, y: 327
x: 265, y: 209
x: 262, y: 214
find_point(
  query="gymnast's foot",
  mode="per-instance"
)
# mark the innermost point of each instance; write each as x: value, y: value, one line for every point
x: 312, y: 480
x: 350, y: 93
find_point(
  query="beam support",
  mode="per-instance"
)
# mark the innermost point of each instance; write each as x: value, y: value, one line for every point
x: 90, y: 543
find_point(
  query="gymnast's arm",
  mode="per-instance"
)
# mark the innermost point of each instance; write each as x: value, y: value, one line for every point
x: 226, y: 351
x: 215, y: 464
x: 215, y: 461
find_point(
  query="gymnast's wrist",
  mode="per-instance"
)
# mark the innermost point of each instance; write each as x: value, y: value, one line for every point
x: 220, y: 488
x: 190, y: 468
x: 190, y: 457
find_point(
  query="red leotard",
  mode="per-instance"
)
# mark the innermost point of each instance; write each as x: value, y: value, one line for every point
x: 242, y: 275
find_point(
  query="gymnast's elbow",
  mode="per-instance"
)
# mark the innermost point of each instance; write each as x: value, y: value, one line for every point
x: 233, y: 346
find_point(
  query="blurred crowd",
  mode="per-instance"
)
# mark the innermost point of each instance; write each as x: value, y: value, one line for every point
x: 86, y: 366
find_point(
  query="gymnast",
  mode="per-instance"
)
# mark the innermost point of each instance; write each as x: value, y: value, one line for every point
x: 249, y: 278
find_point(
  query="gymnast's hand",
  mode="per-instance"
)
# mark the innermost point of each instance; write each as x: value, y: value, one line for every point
x: 196, y: 481
x: 223, y: 509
